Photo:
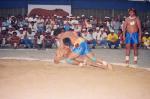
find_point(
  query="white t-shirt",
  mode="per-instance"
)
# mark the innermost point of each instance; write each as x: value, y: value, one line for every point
x: 74, y: 21
x: 21, y: 35
x: 33, y: 27
x: 88, y: 36
x: 10, y: 32
x: 40, y: 40
x: 96, y: 35
x: 48, y: 28
x: 30, y: 36
x: 103, y: 36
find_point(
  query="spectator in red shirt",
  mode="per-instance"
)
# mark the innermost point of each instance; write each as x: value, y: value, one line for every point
x: 15, y: 40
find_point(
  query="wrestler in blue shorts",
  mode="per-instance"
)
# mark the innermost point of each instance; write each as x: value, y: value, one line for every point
x: 81, y: 48
x: 131, y: 38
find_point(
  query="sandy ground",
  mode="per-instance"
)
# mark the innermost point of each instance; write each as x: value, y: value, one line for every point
x: 45, y: 80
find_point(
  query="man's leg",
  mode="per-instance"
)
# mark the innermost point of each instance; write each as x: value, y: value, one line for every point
x: 98, y: 62
x: 127, y: 53
x: 94, y: 43
x: 71, y: 59
x: 109, y: 44
x: 117, y: 44
x: 135, y: 53
x: 26, y: 42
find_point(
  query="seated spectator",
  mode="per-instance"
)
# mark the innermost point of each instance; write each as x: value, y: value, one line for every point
x: 8, y: 38
x: 48, y: 27
x: 3, y: 37
x: 103, y: 38
x: 39, y: 38
x: 44, y: 40
x: 21, y: 36
x: 146, y: 40
x: 89, y: 37
x: 33, y: 26
x: 112, y: 39
x: 67, y: 26
x: 15, y: 40
x: 88, y: 24
x: 49, y: 40
x: 11, y: 30
x: 30, y: 38
x: 40, y: 25
x: 26, y: 40
x: 97, y: 34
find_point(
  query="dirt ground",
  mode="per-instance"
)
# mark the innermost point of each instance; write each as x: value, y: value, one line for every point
x: 44, y: 80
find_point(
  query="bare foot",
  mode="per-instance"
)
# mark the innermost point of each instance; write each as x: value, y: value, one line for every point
x: 109, y: 66
x: 135, y: 62
x: 127, y: 61
x: 135, y: 59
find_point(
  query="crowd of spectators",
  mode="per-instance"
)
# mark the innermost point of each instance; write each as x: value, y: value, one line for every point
x: 38, y: 31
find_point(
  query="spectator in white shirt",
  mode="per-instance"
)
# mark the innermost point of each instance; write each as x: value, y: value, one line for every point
x: 103, y: 38
x: 89, y: 37
x: 33, y: 26
x: 39, y: 40
x: 97, y: 34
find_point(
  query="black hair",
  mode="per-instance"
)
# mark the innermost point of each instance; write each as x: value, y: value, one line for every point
x: 14, y: 33
x: 132, y: 9
x: 57, y: 31
x: 90, y: 30
x: 67, y: 42
x: 71, y: 29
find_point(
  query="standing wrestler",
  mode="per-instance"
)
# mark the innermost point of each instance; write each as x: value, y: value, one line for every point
x: 132, y: 34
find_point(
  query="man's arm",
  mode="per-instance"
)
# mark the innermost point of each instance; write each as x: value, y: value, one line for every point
x: 140, y: 29
x: 58, y: 55
x: 124, y: 29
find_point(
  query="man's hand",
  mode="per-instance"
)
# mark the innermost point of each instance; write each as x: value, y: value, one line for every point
x: 124, y: 38
x: 56, y: 61
x: 140, y: 39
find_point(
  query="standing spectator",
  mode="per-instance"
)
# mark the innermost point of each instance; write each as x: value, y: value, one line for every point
x: 116, y: 25
x: 147, y: 25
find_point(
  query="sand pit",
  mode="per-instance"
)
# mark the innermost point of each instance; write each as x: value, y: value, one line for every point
x: 45, y: 80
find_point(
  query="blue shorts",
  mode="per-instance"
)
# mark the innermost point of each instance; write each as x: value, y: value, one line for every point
x: 131, y: 38
x: 82, y: 49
